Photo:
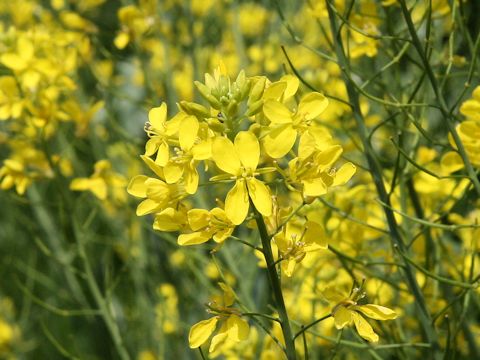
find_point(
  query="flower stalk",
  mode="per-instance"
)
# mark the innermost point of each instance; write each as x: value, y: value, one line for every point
x: 276, y: 286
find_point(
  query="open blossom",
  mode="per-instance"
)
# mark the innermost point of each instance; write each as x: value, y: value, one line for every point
x: 233, y: 329
x: 286, y: 125
x: 207, y: 225
x: 240, y: 160
x: 347, y: 311
x: 296, y: 240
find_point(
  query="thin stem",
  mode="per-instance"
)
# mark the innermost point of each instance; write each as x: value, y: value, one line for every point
x: 276, y: 286
x: 306, y: 327
x: 443, y: 105
x: 99, y: 299
x: 377, y: 171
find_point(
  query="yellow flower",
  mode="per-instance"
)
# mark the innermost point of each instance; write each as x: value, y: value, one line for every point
x: 191, y: 150
x: 240, y: 160
x: 313, y: 168
x: 101, y: 180
x: 160, y: 131
x: 157, y: 193
x: 11, y: 104
x: 295, y: 240
x: 347, y: 311
x: 207, y: 225
x: 13, y: 173
x: 233, y: 329
x: 285, y: 124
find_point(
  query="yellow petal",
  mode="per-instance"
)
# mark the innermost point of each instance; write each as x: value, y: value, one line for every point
x: 25, y: 48
x: 275, y: 91
x: 344, y: 174
x: 248, y: 149
x: 147, y: 206
x: 333, y: 295
x: 228, y: 294
x: 162, y: 154
x: 237, y: 203
x: 201, y: 331
x: 280, y: 140
x: 219, y: 339
x: 151, y: 146
x: 315, y: 234
x: 363, y: 328
x: 276, y: 112
x: 314, y: 187
x: 306, y: 145
x: 157, y: 116
x: 288, y: 266
x: 13, y: 61
x: 191, y: 179
x: 202, y: 151
x: 198, y: 218
x: 292, y: 86
x: 328, y: 156
x: 121, y: 40
x: 137, y: 186
x: 157, y: 189
x: 80, y: 184
x: 169, y: 220
x: 342, y: 317
x: 189, y: 129
x: 173, y: 172
x: 194, y: 238
x: 225, y: 155
x: 260, y: 195
x: 237, y: 328
x: 153, y: 166
x: 377, y: 312
x: 312, y: 105
x: 451, y: 162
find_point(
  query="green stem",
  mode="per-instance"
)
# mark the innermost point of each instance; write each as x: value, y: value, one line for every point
x: 376, y: 172
x: 276, y: 286
x: 99, y: 299
x: 443, y: 105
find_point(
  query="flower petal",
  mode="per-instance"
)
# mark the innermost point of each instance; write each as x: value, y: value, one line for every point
x: 201, y: 331
x: 260, y: 195
x: 162, y: 154
x: 312, y: 105
x: 377, y: 312
x: 157, y: 116
x: 237, y: 328
x: 191, y: 179
x: 342, y: 317
x: 344, y: 174
x: 187, y: 136
x: 276, y: 112
x: 248, y: 149
x: 280, y: 140
x: 173, y: 172
x: 194, y: 238
x: 225, y: 156
x: 147, y: 206
x: 198, y: 218
x: 364, y: 329
x: 236, y: 203
x: 315, y: 234
x: 314, y: 187
x: 137, y: 186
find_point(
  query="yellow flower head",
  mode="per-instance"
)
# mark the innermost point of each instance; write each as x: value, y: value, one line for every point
x: 347, y: 311
x: 240, y: 160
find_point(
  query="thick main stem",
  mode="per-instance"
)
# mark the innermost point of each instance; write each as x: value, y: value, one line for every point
x: 276, y: 286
